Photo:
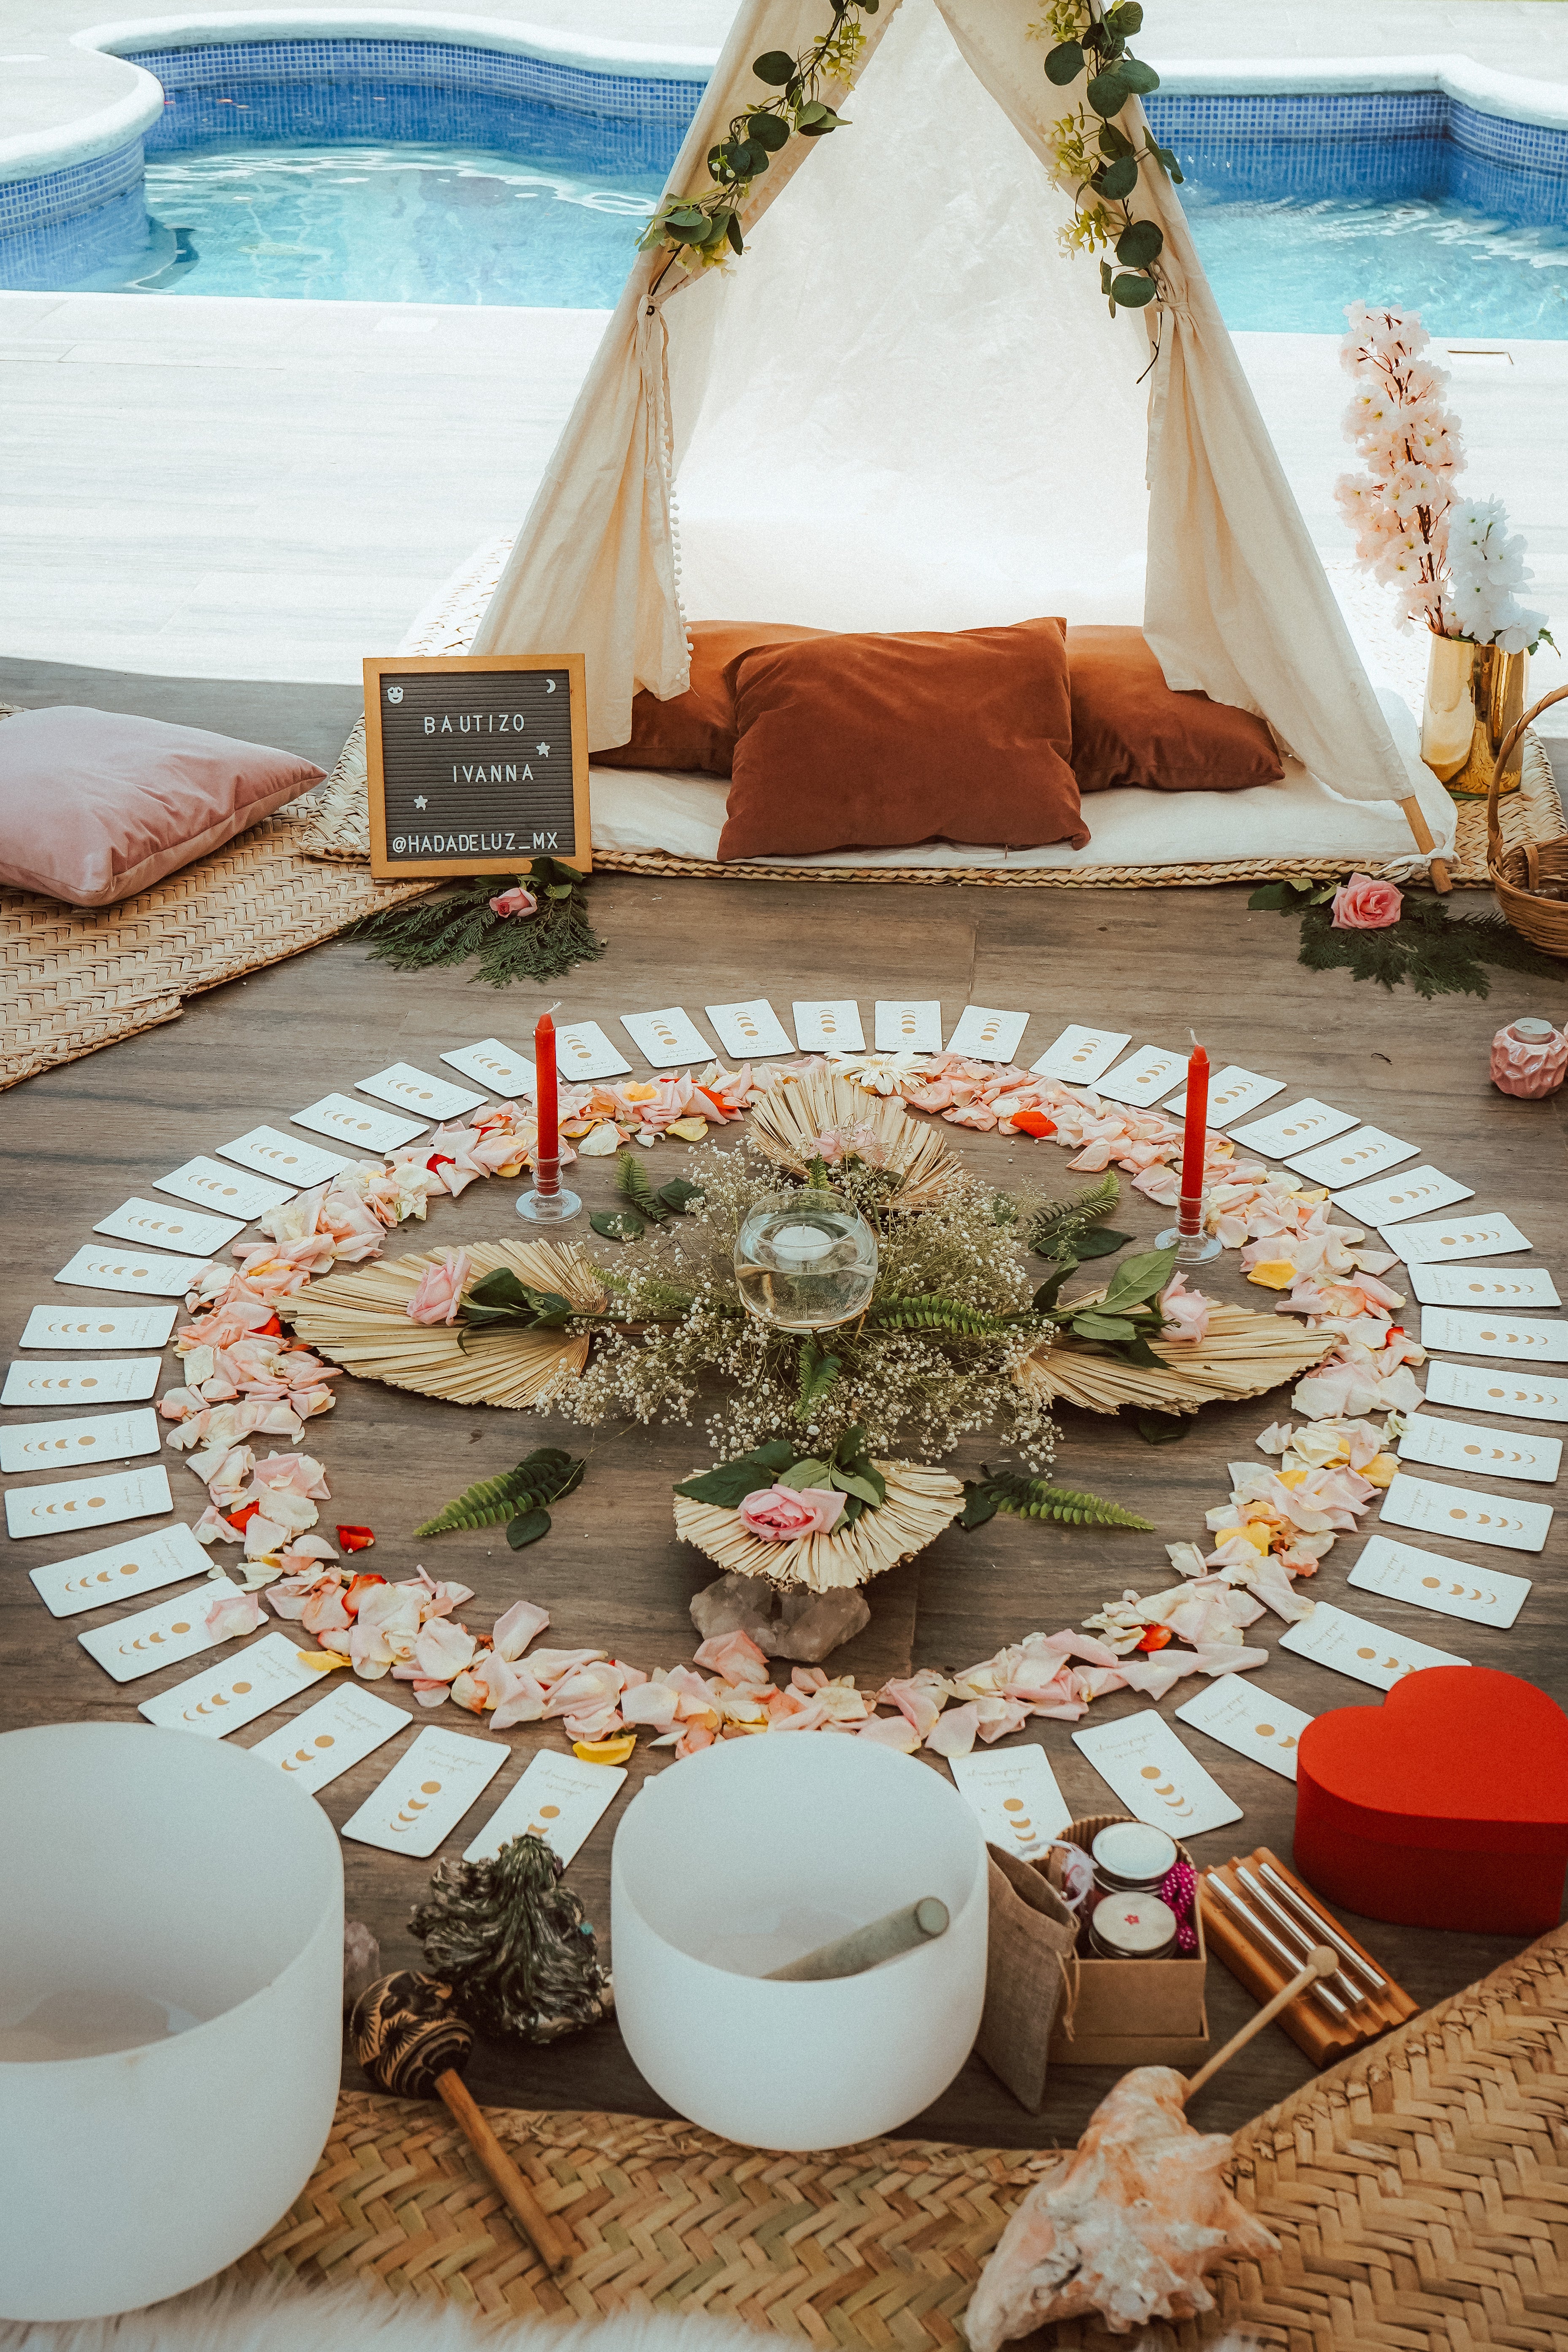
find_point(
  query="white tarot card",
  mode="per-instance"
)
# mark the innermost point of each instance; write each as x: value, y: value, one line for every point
x: 1452, y: 1587
x: 58, y: 1326
x: 1438, y: 1241
x: 208, y: 1184
x: 102, y: 1266
x: 1466, y: 1445
x: 1296, y: 1129
x: 100, y: 1380
x: 1233, y: 1091
x: 368, y: 1133
x: 499, y: 1067
x: 908, y: 1025
x: 1351, y: 1645
x: 121, y: 1571
x: 80, y: 1443
x: 327, y: 1740
x: 1142, y: 1077
x: 985, y: 1034
x: 1078, y: 1055
x: 669, y: 1039
x: 828, y: 1024
x: 1351, y: 1159
x: 1417, y: 1194
x: 559, y: 1798
x: 1482, y: 1285
x: 1474, y: 1390
x: 1464, y: 1513
x: 1239, y: 1713
x: 175, y: 1630
x: 750, y: 1032
x: 1518, y: 1337
x: 417, y: 1092
x: 1015, y: 1792
x: 426, y: 1792
x: 156, y: 1225
x: 287, y: 1158
x: 584, y: 1053
x: 217, y: 1702
x: 1141, y: 1758
x: 81, y: 1506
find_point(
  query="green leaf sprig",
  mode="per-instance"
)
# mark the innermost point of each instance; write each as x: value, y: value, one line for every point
x: 460, y: 922
x: 1122, y: 1319
x: 546, y: 1476
x: 1439, y: 954
x: 1095, y: 155
x: 501, y: 1301
x: 647, y: 1206
x: 1037, y: 1499
x: 849, y: 1468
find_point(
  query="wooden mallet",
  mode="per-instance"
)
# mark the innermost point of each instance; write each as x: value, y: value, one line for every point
x: 1320, y: 1963
x: 411, y: 2041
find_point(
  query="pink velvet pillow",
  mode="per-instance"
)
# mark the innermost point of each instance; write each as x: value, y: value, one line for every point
x: 95, y: 806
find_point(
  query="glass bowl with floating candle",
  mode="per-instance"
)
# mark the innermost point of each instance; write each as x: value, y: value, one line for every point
x: 171, y: 2011
x: 805, y: 1260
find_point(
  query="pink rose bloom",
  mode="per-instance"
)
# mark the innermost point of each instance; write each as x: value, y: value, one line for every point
x: 440, y: 1288
x: 1362, y: 905
x: 783, y: 1514
x: 1187, y: 1312
x: 515, y: 902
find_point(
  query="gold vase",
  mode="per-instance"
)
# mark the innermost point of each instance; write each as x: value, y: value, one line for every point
x: 1474, y: 694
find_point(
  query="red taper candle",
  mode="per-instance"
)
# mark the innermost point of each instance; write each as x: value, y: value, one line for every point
x: 1189, y: 1216
x: 548, y: 1146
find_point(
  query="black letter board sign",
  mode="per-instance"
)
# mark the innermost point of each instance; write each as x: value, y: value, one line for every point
x: 476, y: 764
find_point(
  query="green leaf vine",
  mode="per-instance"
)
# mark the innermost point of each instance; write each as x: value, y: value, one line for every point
x: 1094, y: 158
x: 1439, y: 954
x: 705, y: 228
x: 519, y: 1496
x: 461, y: 923
x: 1037, y: 1499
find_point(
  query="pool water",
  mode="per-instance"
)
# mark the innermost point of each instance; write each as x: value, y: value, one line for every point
x: 401, y: 223
x: 1293, y: 268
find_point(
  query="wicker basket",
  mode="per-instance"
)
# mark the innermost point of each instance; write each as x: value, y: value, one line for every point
x: 1517, y: 875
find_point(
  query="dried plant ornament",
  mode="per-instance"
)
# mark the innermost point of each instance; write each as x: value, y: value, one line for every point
x: 920, y: 1503
x: 511, y: 1940
x: 1242, y: 1354
x: 793, y: 1122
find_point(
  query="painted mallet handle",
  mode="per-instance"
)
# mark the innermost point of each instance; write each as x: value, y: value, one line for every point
x: 522, y: 2203
x: 863, y: 1948
x: 1323, y: 1963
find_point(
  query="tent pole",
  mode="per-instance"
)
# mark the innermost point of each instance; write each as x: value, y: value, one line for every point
x: 1415, y: 818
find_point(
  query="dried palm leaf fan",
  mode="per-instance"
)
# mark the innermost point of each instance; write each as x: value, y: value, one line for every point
x: 359, y: 1318
x: 789, y: 1120
x: 1241, y: 1355
x: 919, y: 1505
x: 1531, y: 881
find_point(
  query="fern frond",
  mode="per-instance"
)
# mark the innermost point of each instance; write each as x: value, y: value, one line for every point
x: 1037, y: 1499
x: 1060, y: 1226
x: 635, y: 1188
x: 545, y: 1476
x: 938, y: 1314
x: 817, y: 1374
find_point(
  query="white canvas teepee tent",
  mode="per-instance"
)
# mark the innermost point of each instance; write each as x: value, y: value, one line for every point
x: 906, y: 407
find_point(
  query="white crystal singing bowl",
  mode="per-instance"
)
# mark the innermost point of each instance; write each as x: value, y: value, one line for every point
x: 147, y: 1862
x: 748, y: 1840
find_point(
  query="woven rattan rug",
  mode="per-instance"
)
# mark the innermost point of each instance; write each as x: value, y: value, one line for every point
x: 1419, y: 2192
x: 341, y: 832
x: 71, y: 981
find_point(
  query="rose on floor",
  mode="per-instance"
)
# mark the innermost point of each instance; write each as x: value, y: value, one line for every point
x: 515, y: 902
x: 1364, y: 904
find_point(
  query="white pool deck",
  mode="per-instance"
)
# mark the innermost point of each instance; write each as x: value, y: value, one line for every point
x: 225, y: 487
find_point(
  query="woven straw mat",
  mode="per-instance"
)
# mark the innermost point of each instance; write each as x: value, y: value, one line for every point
x: 1419, y: 2192
x: 341, y: 832
x: 73, y: 979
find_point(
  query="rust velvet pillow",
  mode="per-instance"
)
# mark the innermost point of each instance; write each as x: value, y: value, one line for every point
x: 870, y: 742
x: 1129, y: 728
x: 697, y: 728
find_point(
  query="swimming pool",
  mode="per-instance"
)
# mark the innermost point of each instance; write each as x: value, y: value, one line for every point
x: 395, y: 223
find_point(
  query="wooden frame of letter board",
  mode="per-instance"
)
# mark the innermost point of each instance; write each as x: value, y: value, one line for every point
x: 389, y: 869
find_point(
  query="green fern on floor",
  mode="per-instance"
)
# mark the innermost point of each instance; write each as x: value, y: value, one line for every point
x: 548, y: 1474
x: 459, y: 923
x: 1439, y: 953
x: 1037, y: 1499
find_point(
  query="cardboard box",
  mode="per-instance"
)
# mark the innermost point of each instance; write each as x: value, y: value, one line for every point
x: 1134, y: 2012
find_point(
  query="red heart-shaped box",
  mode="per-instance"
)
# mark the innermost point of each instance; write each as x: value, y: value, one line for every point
x: 1446, y: 1807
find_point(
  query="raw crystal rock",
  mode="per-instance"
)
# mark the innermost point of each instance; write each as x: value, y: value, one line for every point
x: 362, y: 1960
x: 1126, y: 2226
x: 799, y: 1625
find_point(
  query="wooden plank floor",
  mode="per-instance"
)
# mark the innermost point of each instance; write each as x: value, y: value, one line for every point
x: 79, y: 1139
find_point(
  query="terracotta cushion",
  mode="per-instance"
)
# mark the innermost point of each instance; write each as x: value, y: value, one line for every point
x: 697, y: 730
x: 863, y: 742
x: 95, y: 806
x: 1129, y: 728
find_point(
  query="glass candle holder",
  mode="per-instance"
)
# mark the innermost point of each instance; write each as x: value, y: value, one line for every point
x: 805, y: 1260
